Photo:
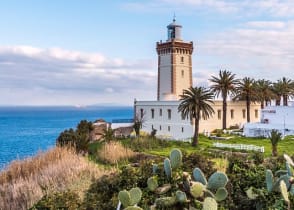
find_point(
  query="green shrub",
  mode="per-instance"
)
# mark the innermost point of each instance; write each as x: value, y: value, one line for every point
x: 60, y: 200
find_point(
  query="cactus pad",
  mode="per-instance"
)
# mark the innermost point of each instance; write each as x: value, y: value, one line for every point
x: 221, y: 194
x: 125, y: 198
x: 152, y: 183
x: 164, y: 189
x: 176, y: 158
x: 197, y: 189
x: 133, y: 208
x: 289, y: 169
x: 284, y: 192
x: 217, y: 180
x: 288, y: 159
x: 154, y: 168
x: 269, y: 178
x: 136, y: 195
x: 165, y: 202
x: 250, y: 194
x: 167, y: 168
x: 199, y: 176
x: 181, y: 197
x: 209, y: 204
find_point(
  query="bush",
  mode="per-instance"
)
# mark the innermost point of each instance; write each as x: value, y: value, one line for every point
x: 59, y: 200
x: 79, y: 138
x: 192, y: 160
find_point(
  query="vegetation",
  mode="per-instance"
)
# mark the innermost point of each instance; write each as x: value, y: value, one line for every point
x: 25, y: 182
x: 275, y: 137
x: 195, y: 103
x: 79, y: 138
x: 224, y: 85
x: 246, y: 90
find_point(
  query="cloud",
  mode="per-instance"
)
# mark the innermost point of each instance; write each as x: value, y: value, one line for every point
x: 254, y: 50
x: 30, y: 75
x: 275, y: 8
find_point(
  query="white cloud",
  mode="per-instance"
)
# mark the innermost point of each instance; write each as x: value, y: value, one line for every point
x: 30, y: 75
x: 253, y: 51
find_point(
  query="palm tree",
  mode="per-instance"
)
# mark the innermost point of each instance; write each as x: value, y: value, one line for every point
x: 275, y: 137
x: 246, y: 90
x: 195, y: 103
x: 224, y: 84
x: 264, y: 92
x: 278, y: 90
x: 287, y: 85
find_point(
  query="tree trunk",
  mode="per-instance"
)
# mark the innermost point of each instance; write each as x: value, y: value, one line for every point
x: 285, y: 100
x: 196, y: 131
x: 278, y: 101
x: 274, y: 151
x: 224, y: 112
x: 262, y: 104
x: 248, y: 108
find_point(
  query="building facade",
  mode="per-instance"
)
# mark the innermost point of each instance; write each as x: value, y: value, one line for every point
x: 280, y: 118
x: 175, y: 75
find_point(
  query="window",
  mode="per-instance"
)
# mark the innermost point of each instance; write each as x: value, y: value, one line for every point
x: 183, y: 73
x: 168, y: 128
x: 160, y: 112
x: 152, y: 127
x: 152, y: 113
x: 182, y: 129
x: 142, y: 113
x: 219, y: 114
x: 244, y: 113
x: 169, y: 114
x: 182, y: 59
x: 256, y: 113
x: 232, y: 113
x: 160, y: 127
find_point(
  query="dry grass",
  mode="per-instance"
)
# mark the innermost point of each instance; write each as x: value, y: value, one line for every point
x: 24, y: 182
x: 221, y: 164
x: 113, y: 152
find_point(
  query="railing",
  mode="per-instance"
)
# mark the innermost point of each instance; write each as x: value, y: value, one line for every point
x: 122, y: 121
x: 239, y: 146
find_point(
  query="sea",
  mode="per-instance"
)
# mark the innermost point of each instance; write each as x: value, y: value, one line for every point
x: 25, y: 131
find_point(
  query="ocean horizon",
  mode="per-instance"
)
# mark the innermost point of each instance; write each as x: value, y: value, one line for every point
x: 26, y: 130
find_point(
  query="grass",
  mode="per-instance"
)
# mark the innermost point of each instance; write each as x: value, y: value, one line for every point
x: 26, y: 181
x: 114, y: 152
x: 284, y: 146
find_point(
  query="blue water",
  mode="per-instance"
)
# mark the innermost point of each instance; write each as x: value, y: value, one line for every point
x: 26, y: 130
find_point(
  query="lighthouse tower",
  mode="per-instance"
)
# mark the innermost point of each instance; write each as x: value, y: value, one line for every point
x: 174, y: 64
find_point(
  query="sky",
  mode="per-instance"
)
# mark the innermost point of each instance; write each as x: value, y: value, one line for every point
x: 102, y: 52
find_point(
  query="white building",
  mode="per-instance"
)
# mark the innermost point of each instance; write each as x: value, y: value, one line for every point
x: 175, y: 75
x: 280, y: 118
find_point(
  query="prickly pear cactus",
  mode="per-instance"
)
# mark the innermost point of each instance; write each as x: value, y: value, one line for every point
x: 154, y: 168
x: 167, y: 168
x: 163, y: 189
x: 221, y: 194
x: 125, y: 198
x: 217, y: 180
x: 289, y: 169
x: 136, y: 195
x: 176, y: 158
x: 196, y: 189
x: 284, y: 192
x: 152, y: 183
x: 269, y: 178
x: 181, y: 197
x: 133, y: 208
x: 199, y: 176
x: 209, y: 204
x: 165, y: 202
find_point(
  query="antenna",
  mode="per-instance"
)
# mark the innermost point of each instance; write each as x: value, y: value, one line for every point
x: 174, y: 19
